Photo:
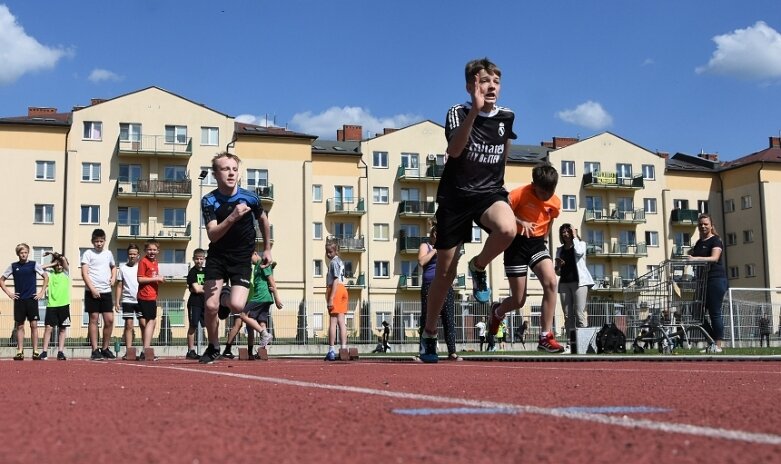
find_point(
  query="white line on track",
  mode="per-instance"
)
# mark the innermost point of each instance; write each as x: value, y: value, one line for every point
x: 669, y: 427
x: 615, y: 368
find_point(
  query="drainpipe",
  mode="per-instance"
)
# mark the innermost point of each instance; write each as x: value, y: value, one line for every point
x: 65, y: 196
x: 762, y: 221
x: 666, y: 223
x: 366, y: 234
x: 723, y: 221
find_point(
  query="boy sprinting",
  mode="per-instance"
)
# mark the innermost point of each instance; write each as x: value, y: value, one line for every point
x: 471, y: 190
x: 336, y: 299
x: 195, y: 302
x: 535, y: 207
x: 25, y: 274
x: 99, y: 273
x: 229, y: 213
x: 149, y: 279
x: 58, y: 304
x: 127, y: 296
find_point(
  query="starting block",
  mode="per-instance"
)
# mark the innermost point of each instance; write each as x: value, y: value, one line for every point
x: 262, y: 354
x: 344, y: 354
x: 149, y: 354
x: 243, y: 354
x: 131, y: 354
x: 353, y: 354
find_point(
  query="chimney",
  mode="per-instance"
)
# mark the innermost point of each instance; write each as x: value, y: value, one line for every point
x: 388, y: 130
x: 775, y: 142
x: 339, y: 135
x: 40, y: 111
x: 663, y: 154
x: 546, y: 144
x: 709, y: 156
x: 561, y: 142
x: 95, y: 101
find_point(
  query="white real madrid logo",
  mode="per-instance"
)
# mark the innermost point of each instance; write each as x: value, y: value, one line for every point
x: 501, y: 129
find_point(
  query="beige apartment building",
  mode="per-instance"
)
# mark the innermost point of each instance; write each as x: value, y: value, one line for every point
x: 137, y: 165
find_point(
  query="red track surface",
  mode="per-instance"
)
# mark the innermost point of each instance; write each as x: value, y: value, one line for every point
x: 182, y: 412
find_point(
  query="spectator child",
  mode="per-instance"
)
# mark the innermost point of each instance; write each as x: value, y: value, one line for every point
x: 149, y: 279
x: 196, y: 301
x: 58, y: 304
x: 127, y: 296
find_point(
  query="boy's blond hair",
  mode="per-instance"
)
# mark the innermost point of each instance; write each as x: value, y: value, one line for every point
x: 224, y: 154
x: 22, y: 246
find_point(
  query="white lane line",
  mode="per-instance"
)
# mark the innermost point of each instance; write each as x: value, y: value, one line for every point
x: 623, y: 421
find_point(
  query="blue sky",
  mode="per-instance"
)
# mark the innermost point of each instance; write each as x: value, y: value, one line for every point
x: 674, y: 76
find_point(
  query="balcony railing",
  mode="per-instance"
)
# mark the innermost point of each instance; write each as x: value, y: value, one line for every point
x: 617, y: 250
x: 610, y: 283
x: 174, y: 272
x: 417, y: 208
x: 155, y: 188
x: 156, y: 145
x: 352, y: 283
x: 615, y: 216
x: 681, y: 251
x: 143, y: 232
x: 429, y: 173
x: 410, y: 282
x: 681, y: 217
x: 345, y: 207
x: 351, y: 244
x: 610, y: 180
x: 410, y: 244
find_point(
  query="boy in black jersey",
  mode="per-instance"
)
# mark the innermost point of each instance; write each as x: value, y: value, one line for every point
x: 471, y: 190
x: 229, y: 213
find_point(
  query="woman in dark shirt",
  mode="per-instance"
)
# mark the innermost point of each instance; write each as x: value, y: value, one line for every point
x: 709, y: 248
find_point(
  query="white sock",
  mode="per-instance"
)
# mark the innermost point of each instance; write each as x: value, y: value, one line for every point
x: 331, y: 349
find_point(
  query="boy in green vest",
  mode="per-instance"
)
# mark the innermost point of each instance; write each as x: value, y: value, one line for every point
x: 58, y: 303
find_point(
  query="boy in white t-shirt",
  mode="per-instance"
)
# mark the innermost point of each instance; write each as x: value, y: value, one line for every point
x: 127, y: 291
x: 99, y: 273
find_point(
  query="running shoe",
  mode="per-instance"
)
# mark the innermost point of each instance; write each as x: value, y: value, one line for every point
x: 330, y: 356
x: 227, y: 354
x: 191, y: 354
x: 711, y: 349
x: 61, y: 356
x: 37, y: 357
x: 548, y: 343
x: 265, y: 339
x: 428, y: 349
x: 19, y: 356
x: 142, y: 357
x: 210, y: 354
x: 224, y: 311
x: 480, y: 288
x: 96, y: 355
x: 107, y: 354
x: 494, y: 321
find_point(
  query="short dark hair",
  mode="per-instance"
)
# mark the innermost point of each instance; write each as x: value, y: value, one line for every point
x: 545, y: 176
x: 98, y: 233
x: 199, y: 251
x: 132, y: 246
x: 475, y: 66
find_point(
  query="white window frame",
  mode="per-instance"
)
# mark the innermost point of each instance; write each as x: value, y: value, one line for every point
x: 317, y: 231
x: 751, y: 270
x: 92, y: 214
x: 93, y: 130
x: 623, y: 170
x: 209, y: 179
x: 178, y: 134
x: 36, y: 254
x: 130, y: 171
x: 381, y: 232
x: 317, y: 268
x: 649, y: 205
x: 591, y: 166
x: 381, y: 269
x: 745, y: 202
x: 569, y: 203
x: 380, y: 195
x: 734, y: 272
x: 703, y: 206
x: 129, y: 132
x: 477, y: 233
x: 41, y: 212
x: 174, y: 173
x: 649, y: 172
x: 173, y: 256
x: 44, y: 170
x: 174, y: 217
x: 257, y: 178
x: 652, y: 238
x: 210, y: 136
x: 380, y: 160
x: 748, y: 236
x: 317, y: 193
x: 567, y: 168
x: 729, y: 205
x: 90, y: 172
x: 731, y: 239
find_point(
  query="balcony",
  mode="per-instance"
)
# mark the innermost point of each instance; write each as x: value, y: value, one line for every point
x: 144, y: 232
x: 607, y: 284
x: 684, y: 217
x: 610, y: 180
x: 351, y: 244
x: 156, y: 146
x: 417, y: 208
x: 616, y: 250
x: 345, y: 207
x: 681, y: 251
x: 353, y: 284
x: 410, y: 245
x: 174, y: 272
x: 266, y: 195
x: 259, y: 235
x: 410, y: 282
x: 155, y: 188
x: 429, y: 173
x: 460, y: 282
x: 595, y: 216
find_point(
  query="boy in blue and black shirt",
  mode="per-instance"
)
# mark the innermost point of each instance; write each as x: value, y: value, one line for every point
x: 25, y: 296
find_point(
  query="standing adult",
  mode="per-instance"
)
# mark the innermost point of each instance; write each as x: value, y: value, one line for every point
x: 574, y: 280
x: 709, y: 248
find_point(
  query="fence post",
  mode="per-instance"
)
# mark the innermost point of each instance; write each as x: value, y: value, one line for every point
x: 165, y: 335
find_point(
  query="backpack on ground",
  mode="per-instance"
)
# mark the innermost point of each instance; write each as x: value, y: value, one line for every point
x: 610, y: 339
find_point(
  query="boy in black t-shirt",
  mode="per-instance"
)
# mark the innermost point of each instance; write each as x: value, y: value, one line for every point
x: 195, y: 303
x: 471, y: 190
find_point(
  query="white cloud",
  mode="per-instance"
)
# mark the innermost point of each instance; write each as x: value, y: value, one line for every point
x: 326, y: 123
x: 21, y: 54
x: 590, y: 115
x: 751, y: 53
x: 258, y: 120
x: 99, y: 75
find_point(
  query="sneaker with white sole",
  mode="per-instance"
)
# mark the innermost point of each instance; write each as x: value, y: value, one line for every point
x: 549, y: 344
x: 428, y: 349
x: 480, y: 288
x: 265, y: 339
x: 210, y: 355
x: 330, y: 356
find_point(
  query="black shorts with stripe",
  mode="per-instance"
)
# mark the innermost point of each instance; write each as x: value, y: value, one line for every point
x: 524, y: 253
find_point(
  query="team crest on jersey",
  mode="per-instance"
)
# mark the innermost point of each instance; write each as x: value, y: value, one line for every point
x: 501, y: 129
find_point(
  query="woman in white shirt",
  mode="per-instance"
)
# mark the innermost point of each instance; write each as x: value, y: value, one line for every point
x: 574, y: 280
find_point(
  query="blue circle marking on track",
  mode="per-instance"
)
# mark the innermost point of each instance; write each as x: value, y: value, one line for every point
x: 573, y: 409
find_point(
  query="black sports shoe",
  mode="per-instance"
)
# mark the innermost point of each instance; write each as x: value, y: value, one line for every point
x: 210, y: 354
x: 107, y: 354
x: 428, y: 349
x: 38, y: 357
x: 223, y: 312
x: 61, y: 356
x: 192, y: 355
x: 96, y: 355
x: 227, y: 354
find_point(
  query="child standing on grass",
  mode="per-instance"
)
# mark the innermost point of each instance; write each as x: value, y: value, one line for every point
x: 471, y: 190
x: 58, y: 313
x: 25, y: 296
x: 195, y: 303
x: 99, y: 273
x: 149, y: 279
x: 336, y: 299
x: 127, y: 295
x: 535, y: 207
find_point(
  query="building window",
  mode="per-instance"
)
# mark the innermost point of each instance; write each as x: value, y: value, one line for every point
x: 381, y: 269
x: 649, y: 204
x: 37, y: 255
x: 680, y: 204
x: 93, y: 130
x: 176, y: 134
x: 317, y: 193
x: 594, y: 204
x: 748, y: 236
x: 210, y: 136
x: 652, y: 238
x: 623, y: 171
x: 90, y: 172
x: 177, y: 256
x: 569, y: 203
x: 317, y: 230
x: 129, y: 132
x: 209, y: 179
x: 731, y: 239
x: 44, y: 214
x: 174, y: 173
x: 257, y: 178
x: 129, y: 217
x: 745, y: 202
x: 591, y: 166
x: 477, y: 234
x: 174, y: 217
x: 410, y: 161
x: 734, y: 272
x: 702, y: 206
x: 649, y: 172
x: 317, y: 269
x: 90, y: 214
x: 567, y: 168
x: 382, y: 232
x: 729, y: 206
x: 380, y: 195
x: 44, y: 170
x: 380, y: 159
x: 751, y: 270
x: 129, y: 173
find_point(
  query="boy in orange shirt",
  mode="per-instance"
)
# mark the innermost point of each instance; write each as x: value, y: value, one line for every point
x: 535, y: 207
x: 148, y: 280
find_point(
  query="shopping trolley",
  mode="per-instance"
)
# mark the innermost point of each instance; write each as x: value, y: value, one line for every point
x: 666, y: 307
